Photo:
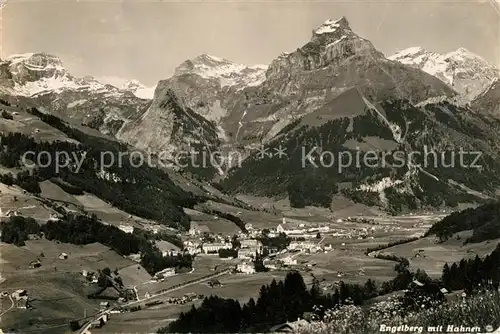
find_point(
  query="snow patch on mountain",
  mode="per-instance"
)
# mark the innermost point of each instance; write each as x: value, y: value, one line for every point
x: 32, y: 74
x: 134, y: 86
x: 228, y: 73
x: 138, y: 89
x: 464, y: 71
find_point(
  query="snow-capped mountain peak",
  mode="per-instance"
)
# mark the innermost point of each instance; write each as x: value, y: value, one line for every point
x: 226, y: 71
x: 31, y: 74
x: 466, y: 72
x: 138, y: 89
x: 330, y: 26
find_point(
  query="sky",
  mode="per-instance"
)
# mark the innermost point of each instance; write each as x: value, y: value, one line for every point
x: 146, y: 40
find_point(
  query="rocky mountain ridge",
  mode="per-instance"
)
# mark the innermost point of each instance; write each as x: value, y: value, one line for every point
x: 467, y: 73
x: 336, y: 92
x: 42, y: 80
x: 295, y: 84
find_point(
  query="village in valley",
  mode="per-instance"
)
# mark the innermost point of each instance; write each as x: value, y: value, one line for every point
x: 231, y: 262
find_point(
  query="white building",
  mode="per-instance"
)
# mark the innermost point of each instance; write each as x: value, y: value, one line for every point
x: 53, y: 217
x: 246, y: 253
x: 245, y: 268
x: 166, y: 248
x: 290, y: 228
x: 192, y: 250
x: 289, y: 260
x: 165, y: 273
x: 253, y: 244
x: 302, y: 245
x: 126, y: 228
x: 215, y: 247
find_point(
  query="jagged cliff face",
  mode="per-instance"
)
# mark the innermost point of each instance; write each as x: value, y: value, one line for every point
x: 330, y: 44
x: 250, y: 105
x: 41, y: 80
x: 467, y: 73
x: 34, y: 67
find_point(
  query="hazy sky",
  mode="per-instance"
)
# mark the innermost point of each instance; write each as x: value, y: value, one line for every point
x: 146, y: 40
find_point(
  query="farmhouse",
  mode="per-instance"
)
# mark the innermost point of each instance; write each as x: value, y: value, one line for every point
x: 289, y: 261
x: 302, y: 245
x: 97, y: 323
x: 103, y: 305
x: 245, y: 268
x: 35, y: 264
x: 127, y: 228
x: 165, y: 273
x: 18, y: 294
x: 246, y: 253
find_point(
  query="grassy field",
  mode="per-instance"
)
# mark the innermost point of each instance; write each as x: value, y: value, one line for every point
x: 32, y: 126
x: 215, y: 225
x: 258, y: 219
x: 434, y: 255
x: 16, y: 199
x: 203, y: 266
x: 57, y: 289
x: 55, y: 193
x: 144, y: 321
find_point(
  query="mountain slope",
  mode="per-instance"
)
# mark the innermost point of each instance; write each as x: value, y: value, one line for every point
x: 377, y: 154
x: 489, y: 101
x: 464, y: 71
x: 42, y: 80
x: 247, y: 112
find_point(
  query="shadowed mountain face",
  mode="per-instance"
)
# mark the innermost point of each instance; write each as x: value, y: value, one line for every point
x: 390, y: 154
x: 248, y: 107
x: 489, y: 101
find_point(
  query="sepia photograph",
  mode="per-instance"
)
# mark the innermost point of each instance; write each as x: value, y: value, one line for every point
x: 249, y: 166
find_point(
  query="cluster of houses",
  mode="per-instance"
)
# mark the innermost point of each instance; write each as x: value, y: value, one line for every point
x: 188, y: 297
x: 21, y: 299
x: 195, y: 244
x: 153, y: 228
x: 300, y: 229
x: 90, y: 276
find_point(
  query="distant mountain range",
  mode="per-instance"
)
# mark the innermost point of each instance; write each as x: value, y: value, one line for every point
x: 41, y: 80
x: 336, y: 92
x: 465, y: 72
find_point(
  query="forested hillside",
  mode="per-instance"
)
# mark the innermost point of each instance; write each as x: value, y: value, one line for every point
x: 484, y: 221
x: 127, y: 184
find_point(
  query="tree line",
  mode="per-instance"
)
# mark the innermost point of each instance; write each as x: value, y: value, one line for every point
x: 288, y: 300
x: 484, y: 221
x: 82, y: 230
x: 143, y: 191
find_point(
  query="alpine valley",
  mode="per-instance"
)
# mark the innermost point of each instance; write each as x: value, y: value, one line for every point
x: 334, y: 190
x: 336, y: 93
